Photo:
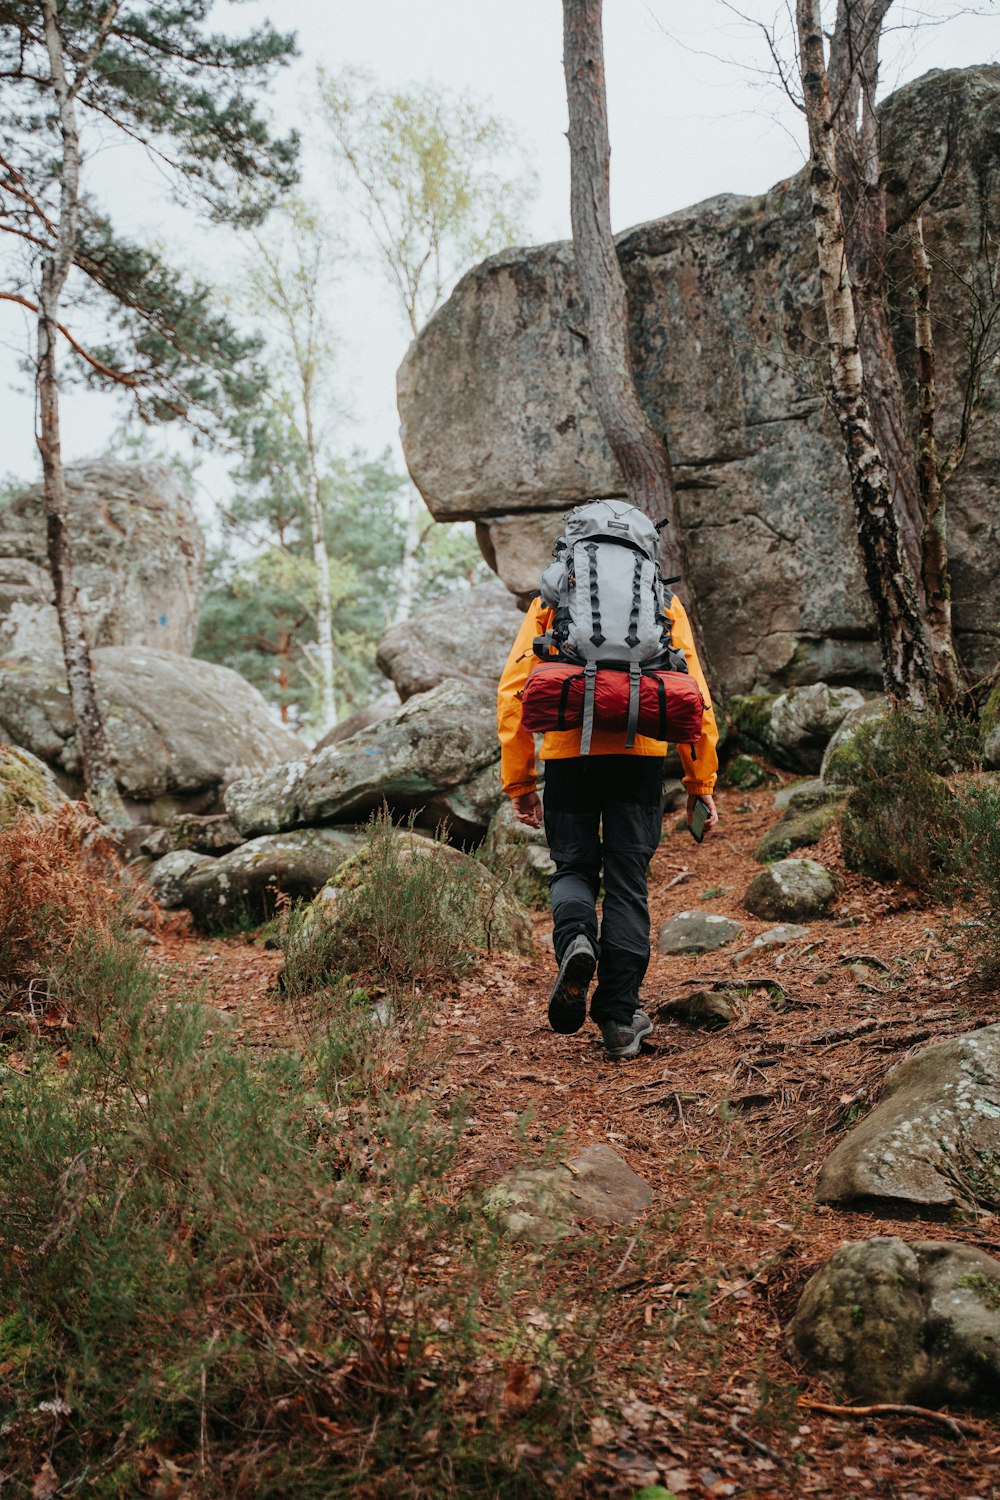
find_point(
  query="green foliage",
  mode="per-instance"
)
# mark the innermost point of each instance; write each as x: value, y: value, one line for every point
x: 211, y: 1270
x: 404, y: 914
x: 977, y: 862
x: 902, y: 821
x: 150, y: 73
x: 438, y: 182
x: 258, y: 613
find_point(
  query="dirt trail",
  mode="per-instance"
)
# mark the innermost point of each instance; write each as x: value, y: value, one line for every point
x: 730, y: 1129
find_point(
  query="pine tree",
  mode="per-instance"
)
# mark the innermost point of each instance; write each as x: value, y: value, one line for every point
x: 152, y: 72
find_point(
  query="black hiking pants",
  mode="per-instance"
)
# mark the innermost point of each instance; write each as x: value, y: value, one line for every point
x: 605, y: 811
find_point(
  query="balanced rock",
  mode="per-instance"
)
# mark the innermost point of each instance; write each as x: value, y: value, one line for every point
x: 243, y: 886
x: 916, y: 1323
x: 499, y: 423
x: 790, y: 891
x: 437, y: 756
x: 179, y: 728
x: 933, y: 1139
x: 138, y: 559
x: 26, y: 785
x: 545, y: 1204
x: 466, y: 634
x: 697, y: 932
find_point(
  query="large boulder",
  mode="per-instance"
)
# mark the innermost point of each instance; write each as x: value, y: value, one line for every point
x: 794, y: 728
x: 180, y: 729
x: 466, y: 634
x: 840, y: 761
x: 436, y: 757
x: 905, y: 1323
x: 242, y: 888
x: 26, y: 785
x: 933, y: 1139
x: 729, y: 347
x: 138, y: 559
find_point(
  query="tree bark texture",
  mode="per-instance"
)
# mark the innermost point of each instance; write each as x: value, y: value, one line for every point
x: 853, y: 78
x: 906, y: 664
x: 95, y: 750
x: 951, y: 686
x: 639, y: 450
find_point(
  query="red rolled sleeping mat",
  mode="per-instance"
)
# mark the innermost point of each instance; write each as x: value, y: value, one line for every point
x: 670, y: 703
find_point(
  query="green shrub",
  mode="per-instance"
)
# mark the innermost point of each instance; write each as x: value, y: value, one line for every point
x: 902, y: 821
x: 978, y: 856
x: 213, y: 1273
x: 405, y: 914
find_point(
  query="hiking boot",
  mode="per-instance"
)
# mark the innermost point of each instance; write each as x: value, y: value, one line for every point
x: 568, y: 1001
x: 624, y: 1039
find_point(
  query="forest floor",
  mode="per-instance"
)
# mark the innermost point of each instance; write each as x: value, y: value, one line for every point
x: 694, y: 1389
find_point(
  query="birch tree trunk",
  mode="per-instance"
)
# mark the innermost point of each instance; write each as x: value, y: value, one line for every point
x: 321, y: 562
x: 95, y: 751
x: 639, y: 450
x: 951, y: 687
x: 853, y: 78
x: 906, y: 664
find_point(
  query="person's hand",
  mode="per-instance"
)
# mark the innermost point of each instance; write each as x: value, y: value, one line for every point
x: 709, y: 803
x: 528, y: 809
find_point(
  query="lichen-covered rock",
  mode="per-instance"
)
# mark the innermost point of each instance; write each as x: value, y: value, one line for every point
x: 179, y: 728
x: 211, y: 835
x: 544, y: 1204
x: 806, y: 818
x: 138, y: 560
x: 436, y: 756
x: 363, y: 718
x: 793, y: 728
x: 243, y: 886
x: 465, y: 634
x: 791, y: 890
x: 26, y: 785
x: 840, y: 762
x: 933, y: 1139
x: 915, y: 1323
x: 727, y: 340
x: 697, y: 932
x: 166, y: 877
x: 521, y: 854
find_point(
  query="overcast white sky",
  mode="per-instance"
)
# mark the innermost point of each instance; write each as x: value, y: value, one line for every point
x: 692, y: 114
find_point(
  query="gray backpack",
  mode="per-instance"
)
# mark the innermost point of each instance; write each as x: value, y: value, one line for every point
x: 609, y: 601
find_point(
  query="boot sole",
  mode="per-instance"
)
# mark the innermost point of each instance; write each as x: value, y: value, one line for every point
x: 568, y: 1001
x: 634, y: 1047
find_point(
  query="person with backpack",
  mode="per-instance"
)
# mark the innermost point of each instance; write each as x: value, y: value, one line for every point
x: 604, y: 666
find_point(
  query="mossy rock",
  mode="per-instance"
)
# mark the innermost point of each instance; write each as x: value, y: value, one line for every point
x: 989, y: 725
x: 750, y: 714
x: 26, y: 785
x: 803, y: 824
x: 746, y: 773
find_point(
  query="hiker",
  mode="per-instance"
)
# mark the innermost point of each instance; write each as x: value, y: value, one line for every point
x: 604, y: 664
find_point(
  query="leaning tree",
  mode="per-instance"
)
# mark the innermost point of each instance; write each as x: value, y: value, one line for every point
x: 74, y: 75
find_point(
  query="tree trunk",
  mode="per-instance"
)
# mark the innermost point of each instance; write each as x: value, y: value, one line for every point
x: 639, y: 450
x: 906, y: 665
x: 407, y: 590
x: 95, y: 751
x: 853, y: 78
x: 951, y: 687
x: 321, y: 562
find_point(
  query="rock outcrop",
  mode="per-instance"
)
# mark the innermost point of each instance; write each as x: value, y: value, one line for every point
x: 466, y: 634
x: 499, y: 424
x: 138, y: 556
x: 933, y: 1139
x: 180, y: 729
x: 917, y: 1323
x: 438, y: 756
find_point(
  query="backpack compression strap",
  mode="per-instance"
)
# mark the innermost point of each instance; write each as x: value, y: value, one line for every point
x: 634, y: 679
x: 589, y: 684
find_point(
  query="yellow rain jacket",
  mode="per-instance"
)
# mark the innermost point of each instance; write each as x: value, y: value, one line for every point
x: 517, y: 744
